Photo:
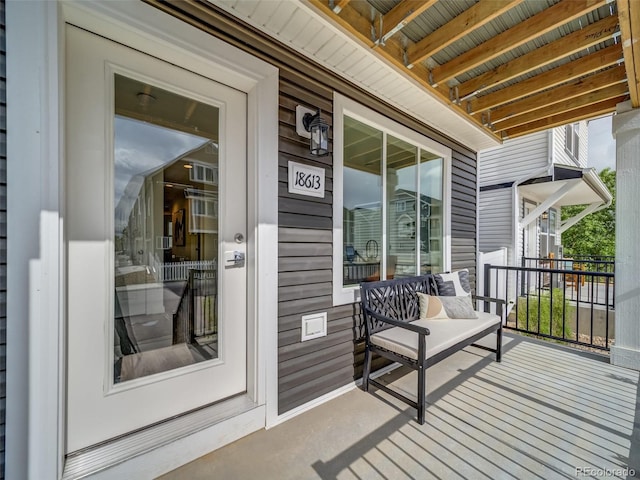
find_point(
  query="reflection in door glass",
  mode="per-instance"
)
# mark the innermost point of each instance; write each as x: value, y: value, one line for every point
x: 166, y: 230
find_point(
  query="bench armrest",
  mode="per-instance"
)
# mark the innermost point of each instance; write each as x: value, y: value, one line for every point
x: 498, y: 301
x: 398, y: 323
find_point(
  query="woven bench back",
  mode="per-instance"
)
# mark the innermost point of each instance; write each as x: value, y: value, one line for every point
x: 395, y: 299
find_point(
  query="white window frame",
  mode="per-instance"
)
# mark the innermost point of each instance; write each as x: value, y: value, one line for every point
x: 164, y: 243
x: 572, y: 141
x: 204, y: 168
x: 344, y: 106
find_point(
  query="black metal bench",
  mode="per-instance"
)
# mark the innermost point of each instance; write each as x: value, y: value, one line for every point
x: 393, y: 306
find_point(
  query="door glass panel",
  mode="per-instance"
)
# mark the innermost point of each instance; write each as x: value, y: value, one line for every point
x: 166, y: 230
x: 362, y: 193
x: 402, y: 198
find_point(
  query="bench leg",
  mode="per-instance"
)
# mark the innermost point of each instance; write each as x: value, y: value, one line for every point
x: 422, y: 393
x: 367, y: 369
x: 499, y: 345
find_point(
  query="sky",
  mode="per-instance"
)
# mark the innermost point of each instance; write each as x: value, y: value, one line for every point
x: 141, y: 147
x: 602, y: 146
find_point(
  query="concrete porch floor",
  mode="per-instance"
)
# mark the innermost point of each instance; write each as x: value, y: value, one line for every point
x: 543, y: 413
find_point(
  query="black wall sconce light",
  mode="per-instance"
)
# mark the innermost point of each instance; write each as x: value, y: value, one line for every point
x: 545, y: 215
x: 314, y: 128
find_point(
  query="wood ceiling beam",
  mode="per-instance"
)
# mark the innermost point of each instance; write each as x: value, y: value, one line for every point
x: 339, y: 5
x: 400, y: 15
x: 468, y: 21
x: 536, y: 26
x: 351, y: 21
x: 563, y: 47
x: 591, y: 98
x: 559, y: 94
x: 360, y: 27
x: 586, y: 65
x: 584, y: 113
x: 629, y: 15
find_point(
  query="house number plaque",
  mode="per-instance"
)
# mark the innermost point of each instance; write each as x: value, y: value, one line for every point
x: 306, y: 180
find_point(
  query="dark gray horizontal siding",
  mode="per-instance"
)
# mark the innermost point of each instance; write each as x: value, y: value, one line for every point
x: 306, y: 362
x: 311, y: 390
x: 464, y: 214
x: 310, y: 369
x: 3, y: 234
x: 290, y: 337
x: 305, y: 258
x: 292, y: 322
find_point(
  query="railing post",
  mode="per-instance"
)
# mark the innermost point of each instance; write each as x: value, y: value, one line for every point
x: 487, y: 285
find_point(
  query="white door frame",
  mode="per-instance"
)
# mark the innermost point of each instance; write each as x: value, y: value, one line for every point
x: 36, y: 267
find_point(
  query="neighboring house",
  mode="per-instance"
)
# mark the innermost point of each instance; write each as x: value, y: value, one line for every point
x: 97, y: 390
x: 362, y: 232
x: 524, y: 183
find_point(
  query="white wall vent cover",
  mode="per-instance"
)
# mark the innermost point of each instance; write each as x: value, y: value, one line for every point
x: 314, y: 326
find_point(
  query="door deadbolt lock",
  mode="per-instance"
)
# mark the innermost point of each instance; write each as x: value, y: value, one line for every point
x: 239, y: 238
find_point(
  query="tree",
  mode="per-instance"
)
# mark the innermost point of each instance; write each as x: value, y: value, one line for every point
x: 596, y: 233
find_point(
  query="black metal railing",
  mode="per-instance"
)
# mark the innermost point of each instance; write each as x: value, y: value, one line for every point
x: 196, y: 315
x: 591, y: 263
x: 355, y: 272
x: 593, y: 269
x: 570, y: 305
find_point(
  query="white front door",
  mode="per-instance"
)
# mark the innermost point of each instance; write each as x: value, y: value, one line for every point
x: 156, y: 219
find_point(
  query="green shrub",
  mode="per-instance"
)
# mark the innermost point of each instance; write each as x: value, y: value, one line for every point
x: 539, y: 309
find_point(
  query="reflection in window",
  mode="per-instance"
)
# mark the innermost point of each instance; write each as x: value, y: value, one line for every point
x: 166, y: 223
x: 362, y: 212
x: 413, y: 213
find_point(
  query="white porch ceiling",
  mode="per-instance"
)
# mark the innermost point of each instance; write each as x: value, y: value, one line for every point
x: 299, y: 26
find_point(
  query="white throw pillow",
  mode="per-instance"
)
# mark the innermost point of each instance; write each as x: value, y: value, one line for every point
x: 452, y: 284
x: 448, y: 307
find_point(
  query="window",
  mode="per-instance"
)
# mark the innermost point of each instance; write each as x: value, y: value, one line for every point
x: 391, y: 213
x: 203, y: 173
x: 203, y: 208
x: 572, y: 140
x: 548, y: 237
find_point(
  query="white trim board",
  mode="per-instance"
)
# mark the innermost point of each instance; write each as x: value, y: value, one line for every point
x: 35, y: 437
x: 35, y: 340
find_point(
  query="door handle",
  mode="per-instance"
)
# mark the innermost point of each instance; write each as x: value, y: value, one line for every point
x: 234, y: 259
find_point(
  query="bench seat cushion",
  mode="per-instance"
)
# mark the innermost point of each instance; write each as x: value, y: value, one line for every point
x: 444, y: 334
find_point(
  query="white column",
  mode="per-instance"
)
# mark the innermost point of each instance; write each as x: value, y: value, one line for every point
x: 626, y: 130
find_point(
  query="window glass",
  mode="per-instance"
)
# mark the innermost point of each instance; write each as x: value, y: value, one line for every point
x: 402, y: 192
x: 431, y: 213
x: 166, y: 224
x: 412, y: 206
x: 362, y: 202
x: 572, y: 139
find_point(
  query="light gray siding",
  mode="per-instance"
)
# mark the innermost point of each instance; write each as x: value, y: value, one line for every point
x: 515, y: 159
x: 560, y: 154
x: 495, y: 221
